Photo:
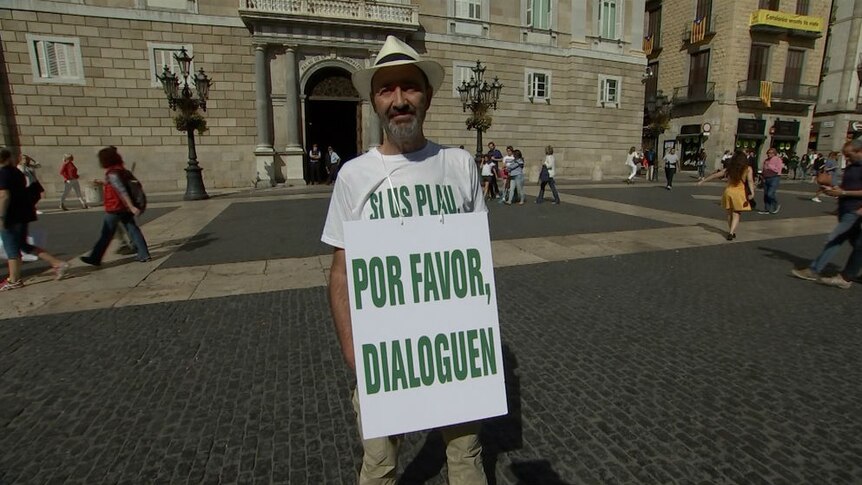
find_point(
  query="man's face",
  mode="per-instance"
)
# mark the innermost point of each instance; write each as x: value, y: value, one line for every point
x: 491, y: 146
x: 850, y: 154
x: 401, y: 98
x: 509, y: 151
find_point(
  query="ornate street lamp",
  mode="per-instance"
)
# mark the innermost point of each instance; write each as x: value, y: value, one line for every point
x: 186, y: 102
x: 658, y: 109
x: 478, y: 96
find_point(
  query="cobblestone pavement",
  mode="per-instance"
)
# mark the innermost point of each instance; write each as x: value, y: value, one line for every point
x: 706, y: 365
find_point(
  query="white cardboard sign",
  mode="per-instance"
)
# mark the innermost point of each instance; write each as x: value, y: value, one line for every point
x: 426, y: 333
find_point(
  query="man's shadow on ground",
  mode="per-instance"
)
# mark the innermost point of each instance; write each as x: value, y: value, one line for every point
x: 498, y: 435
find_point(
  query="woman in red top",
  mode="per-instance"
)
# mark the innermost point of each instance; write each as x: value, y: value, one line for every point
x: 70, y: 177
x: 118, y: 209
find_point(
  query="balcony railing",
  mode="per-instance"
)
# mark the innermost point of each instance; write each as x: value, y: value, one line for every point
x: 805, y: 93
x: 694, y: 93
x: 362, y: 10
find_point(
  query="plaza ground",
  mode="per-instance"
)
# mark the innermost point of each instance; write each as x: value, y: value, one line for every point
x: 639, y: 347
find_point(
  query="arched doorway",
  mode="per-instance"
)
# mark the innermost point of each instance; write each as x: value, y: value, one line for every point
x: 332, y: 113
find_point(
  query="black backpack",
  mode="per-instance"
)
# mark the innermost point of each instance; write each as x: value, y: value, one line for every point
x: 135, y: 189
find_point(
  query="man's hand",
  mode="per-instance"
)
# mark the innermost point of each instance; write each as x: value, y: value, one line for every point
x: 135, y: 211
x: 834, y: 191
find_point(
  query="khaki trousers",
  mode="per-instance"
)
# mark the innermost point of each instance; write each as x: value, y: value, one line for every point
x: 463, y: 455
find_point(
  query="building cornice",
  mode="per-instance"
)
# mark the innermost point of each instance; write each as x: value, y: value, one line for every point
x: 120, y: 13
x: 460, y: 40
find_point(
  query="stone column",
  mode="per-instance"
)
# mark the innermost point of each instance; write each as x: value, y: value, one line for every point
x: 293, y: 151
x: 264, y: 153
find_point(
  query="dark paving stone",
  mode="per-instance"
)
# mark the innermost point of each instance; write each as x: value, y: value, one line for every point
x: 680, y: 200
x: 250, y: 231
x: 70, y: 234
x: 708, y: 365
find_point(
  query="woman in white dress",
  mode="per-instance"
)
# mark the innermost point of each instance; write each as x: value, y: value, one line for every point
x: 631, y: 162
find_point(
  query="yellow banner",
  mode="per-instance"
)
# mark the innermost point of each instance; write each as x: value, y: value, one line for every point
x: 787, y: 20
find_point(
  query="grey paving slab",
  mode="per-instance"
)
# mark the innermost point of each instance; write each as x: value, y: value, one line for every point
x: 250, y: 231
x: 707, y: 365
x: 70, y: 234
x: 704, y: 201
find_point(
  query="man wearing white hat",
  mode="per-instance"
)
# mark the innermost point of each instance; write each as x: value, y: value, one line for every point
x: 428, y: 179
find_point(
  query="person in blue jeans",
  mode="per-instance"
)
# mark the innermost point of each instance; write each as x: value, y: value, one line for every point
x: 772, y: 168
x: 119, y: 209
x: 849, y: 228
x: 516, y: 175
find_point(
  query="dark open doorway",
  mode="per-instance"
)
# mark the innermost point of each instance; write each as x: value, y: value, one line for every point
x: 332, y: 115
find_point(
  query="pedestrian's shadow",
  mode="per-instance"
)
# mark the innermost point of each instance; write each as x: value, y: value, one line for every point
x: 536, y: 472
x: 498, y: 435
x: 797, y: 261
x: 712, y: 229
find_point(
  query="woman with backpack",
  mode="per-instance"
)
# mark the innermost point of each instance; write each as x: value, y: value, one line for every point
x: 119, y: 208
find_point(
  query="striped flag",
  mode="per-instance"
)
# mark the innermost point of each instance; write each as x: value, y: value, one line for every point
x: 766, y: 93
x: 648, y: 44
x: 698, y: 30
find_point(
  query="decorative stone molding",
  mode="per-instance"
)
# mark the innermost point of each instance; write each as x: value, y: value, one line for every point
x: 332, y: 59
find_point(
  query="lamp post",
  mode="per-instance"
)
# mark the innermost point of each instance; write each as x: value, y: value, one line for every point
x: 183, y: 100
x: 478, y: 96
x: 658, y: 109
x: 859, y: 75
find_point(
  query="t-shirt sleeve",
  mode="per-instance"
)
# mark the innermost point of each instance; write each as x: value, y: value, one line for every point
x: 340, y: 211
x: 118, y: 185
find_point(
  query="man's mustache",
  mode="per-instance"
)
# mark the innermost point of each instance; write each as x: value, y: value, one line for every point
x: 401, y: 110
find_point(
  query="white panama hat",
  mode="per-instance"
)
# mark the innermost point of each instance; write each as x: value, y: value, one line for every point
x: 396, y: 53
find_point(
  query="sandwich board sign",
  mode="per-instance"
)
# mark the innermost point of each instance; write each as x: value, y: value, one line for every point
x: 426, y: 333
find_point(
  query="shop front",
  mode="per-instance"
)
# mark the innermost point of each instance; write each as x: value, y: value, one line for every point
x: 785, y: 137
x: 749, y: 135
x: 854, y: 130
x: 689, y: 142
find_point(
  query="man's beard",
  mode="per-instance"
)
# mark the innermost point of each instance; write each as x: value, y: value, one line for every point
x: 403, y: 132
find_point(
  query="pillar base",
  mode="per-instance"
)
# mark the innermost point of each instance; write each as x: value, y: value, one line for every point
x: 293, y: 158
x: 264, y: 167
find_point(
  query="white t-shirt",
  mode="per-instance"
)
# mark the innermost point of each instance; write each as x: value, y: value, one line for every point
x: 671, y: 159
x: 487, y: 169
x: 426, y: 182
x: 508, y: 159
x: 630, y: 158
x: 551, y: 163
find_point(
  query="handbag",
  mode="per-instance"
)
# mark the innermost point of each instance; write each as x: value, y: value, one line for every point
x: 544, y: 175
x: 824, y: 178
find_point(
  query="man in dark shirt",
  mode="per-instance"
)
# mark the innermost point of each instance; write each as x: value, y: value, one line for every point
x: 497, y: 159
x: 849, y: 226
x: 17, y: 210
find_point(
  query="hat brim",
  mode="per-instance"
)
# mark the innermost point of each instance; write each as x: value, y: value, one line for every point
x: 362, y: 79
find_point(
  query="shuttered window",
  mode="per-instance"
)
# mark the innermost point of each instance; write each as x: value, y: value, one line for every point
x: 793, y: 71
x: 654, y: 26
x: 758, y: 63
x: 57, y: 60
x: 769, y: 5
x: 803, y: 7
x: 608, y: 19
x: 538, y: 85
x: 468, y: 9
x: 539, y: 14
x: 698, y: 73
x: 704, y: 9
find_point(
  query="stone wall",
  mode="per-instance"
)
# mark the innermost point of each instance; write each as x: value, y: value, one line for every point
x: 117, y: 104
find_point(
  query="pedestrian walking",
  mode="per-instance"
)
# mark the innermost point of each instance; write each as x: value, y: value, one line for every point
x: 17, y: 211
x: 632, y: 163
x: 848, y: 228
x: 119, y: 208
x: 772, y: 168
x: 508, y: 158
x: 400, y: 85
x: 546, y: 176
x: 69, y: 172
x: 671, y: 160
x: 649, y: 157
x: 735, y: 199
x: 700, y: 163
x: 487, y: 175
x: 334, y: 164
x: 516, y: 178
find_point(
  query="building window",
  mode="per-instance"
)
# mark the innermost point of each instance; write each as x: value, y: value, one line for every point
x: 608, y: 19
x: 758, y: 63
x: 538, y: 85
x: 698, y: 73
x: 803, y: 7
x: 468, y: 9
x: 703, y: 9
x: 539, y: 14
x: 162, y: 55
x: 609, y: 91
x: 793, y: 70
x: 653, y: 28
x: 461, y: 71
x: 769, y: 5
x: 56, y: 59
x: 171, y: 4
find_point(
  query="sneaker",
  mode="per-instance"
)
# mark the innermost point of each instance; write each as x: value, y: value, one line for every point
x: 805, y: 274
x: 90, y: 260
x: 816, y: 199
x: 145, y: 260
x: 763, y: 212
x: 777, y: 208
x: 60, y: 271
x: 837, y: 281
x: 667, y: 187
x: 7, y: 285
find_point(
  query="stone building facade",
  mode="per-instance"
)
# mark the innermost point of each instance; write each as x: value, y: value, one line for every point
x: 737, y: 74
x: 80, y: 74
x: 838, y: 116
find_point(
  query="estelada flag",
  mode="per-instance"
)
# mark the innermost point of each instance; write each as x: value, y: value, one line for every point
x: 698, y: 30
x: 766, y: 93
